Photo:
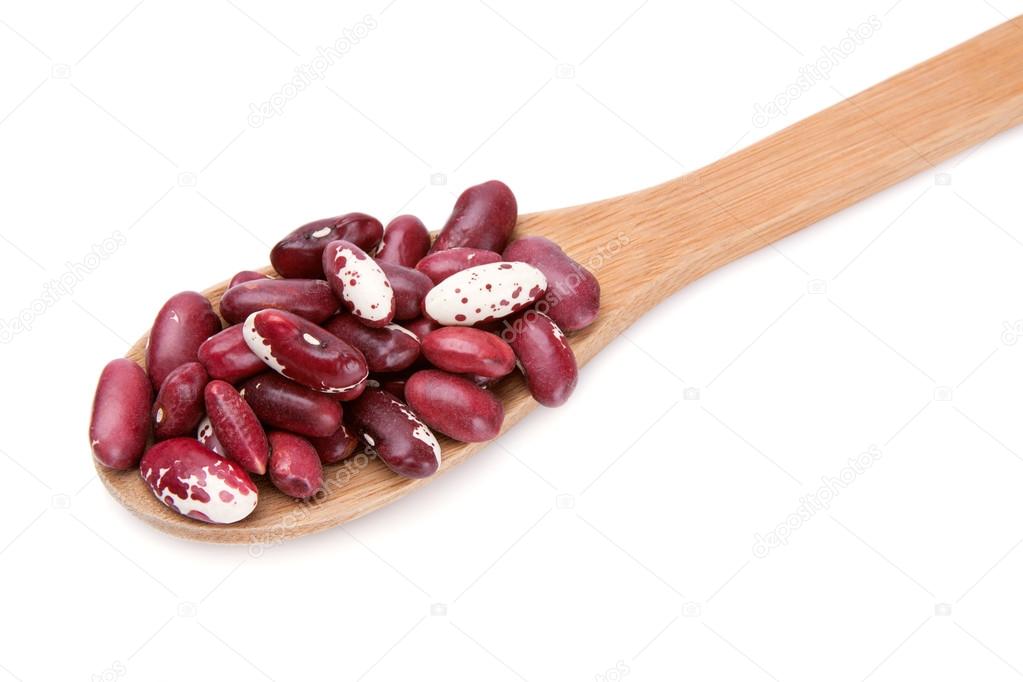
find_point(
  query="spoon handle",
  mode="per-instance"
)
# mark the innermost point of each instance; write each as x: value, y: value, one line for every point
x: 687, y: 227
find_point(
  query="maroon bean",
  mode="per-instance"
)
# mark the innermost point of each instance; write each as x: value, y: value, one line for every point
x: 283, y: 404
x: 440, y: 265
x: 386, y: 349
x: 421, y: 326
x: 226, y: 356
x: 120, y: 414
x: 204, y: 434
x: 299, y: 253
x: 236, y: 427
x: 483, y: 217
x: 454, y: 405
x: 246, y: 276
x: 410, y: 288
x: 308, y: 298
x: 401, y: 440
x: 192, y: 480
x: 304, y: 352
x: 364, y: 289
x: 183, y: 323
x: 294, y: 465
x: 406, y: 241
x: 545, y: 358
x: 464, y: 350
x: 179, y: 403
x: 573, y: 293
x: 336, y: 447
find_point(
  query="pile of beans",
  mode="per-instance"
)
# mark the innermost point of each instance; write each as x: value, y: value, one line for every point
x: 369, y: 336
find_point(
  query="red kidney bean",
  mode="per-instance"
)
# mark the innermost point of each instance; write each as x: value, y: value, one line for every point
x: 120, y: 414
x: 401, y: 440
x: 386, y: 349
x: 236, y: 427
x: 358, y: 281
x: 410, y: 287
x: 454, y: 405
x: 308, y: 298
x: 183, y: 323
x: 545, y: 358
x: 294, y: 465
x: 573, y: 293
x: 440, y: 265
x: 204, y: 434
x: 226, y: 356
x: 283, y: 404
x: 195, y: 482
x: 484, y: 293
x: 246, y: 276
x: 304, y: 352
x: 299, y: 254
x: 179, y: 403
x: 483, y: 217
x: 421, y: 326
x: 406, y: 241
x: 336, y: 447
x: 464, y: 350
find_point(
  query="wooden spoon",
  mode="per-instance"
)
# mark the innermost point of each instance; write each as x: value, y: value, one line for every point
x: 645, y: 246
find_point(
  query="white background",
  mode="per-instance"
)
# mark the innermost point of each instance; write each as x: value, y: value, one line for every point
x: 609, y: 539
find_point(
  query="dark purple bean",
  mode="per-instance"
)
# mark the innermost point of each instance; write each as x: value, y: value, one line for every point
x: 180, y: 403
x: 410, y: 287
x: 386, y: 349
x: 120, y: 414
x: 283, y: 404
x: 440, y: 265
x: 406, y: 241
x: 483, y: 218
x: 236, y: 427
x: 401, y: 440
x: 226, y: 356
x: 308, y: 298
x: 454, y: 405
x: 304, y: 352
x: 300, y: 253
x: 336, y: 447
x: 295, y: 467
x: 183, y: 323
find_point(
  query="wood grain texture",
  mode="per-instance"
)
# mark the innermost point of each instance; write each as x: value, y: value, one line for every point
x: 645, y: 246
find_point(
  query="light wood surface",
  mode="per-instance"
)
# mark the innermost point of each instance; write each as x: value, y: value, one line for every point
x: 645, y: 246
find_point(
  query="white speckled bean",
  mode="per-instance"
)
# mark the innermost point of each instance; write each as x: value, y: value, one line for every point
x: 484, y: 293
x: 359, y: 282
x: 195, y: 482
